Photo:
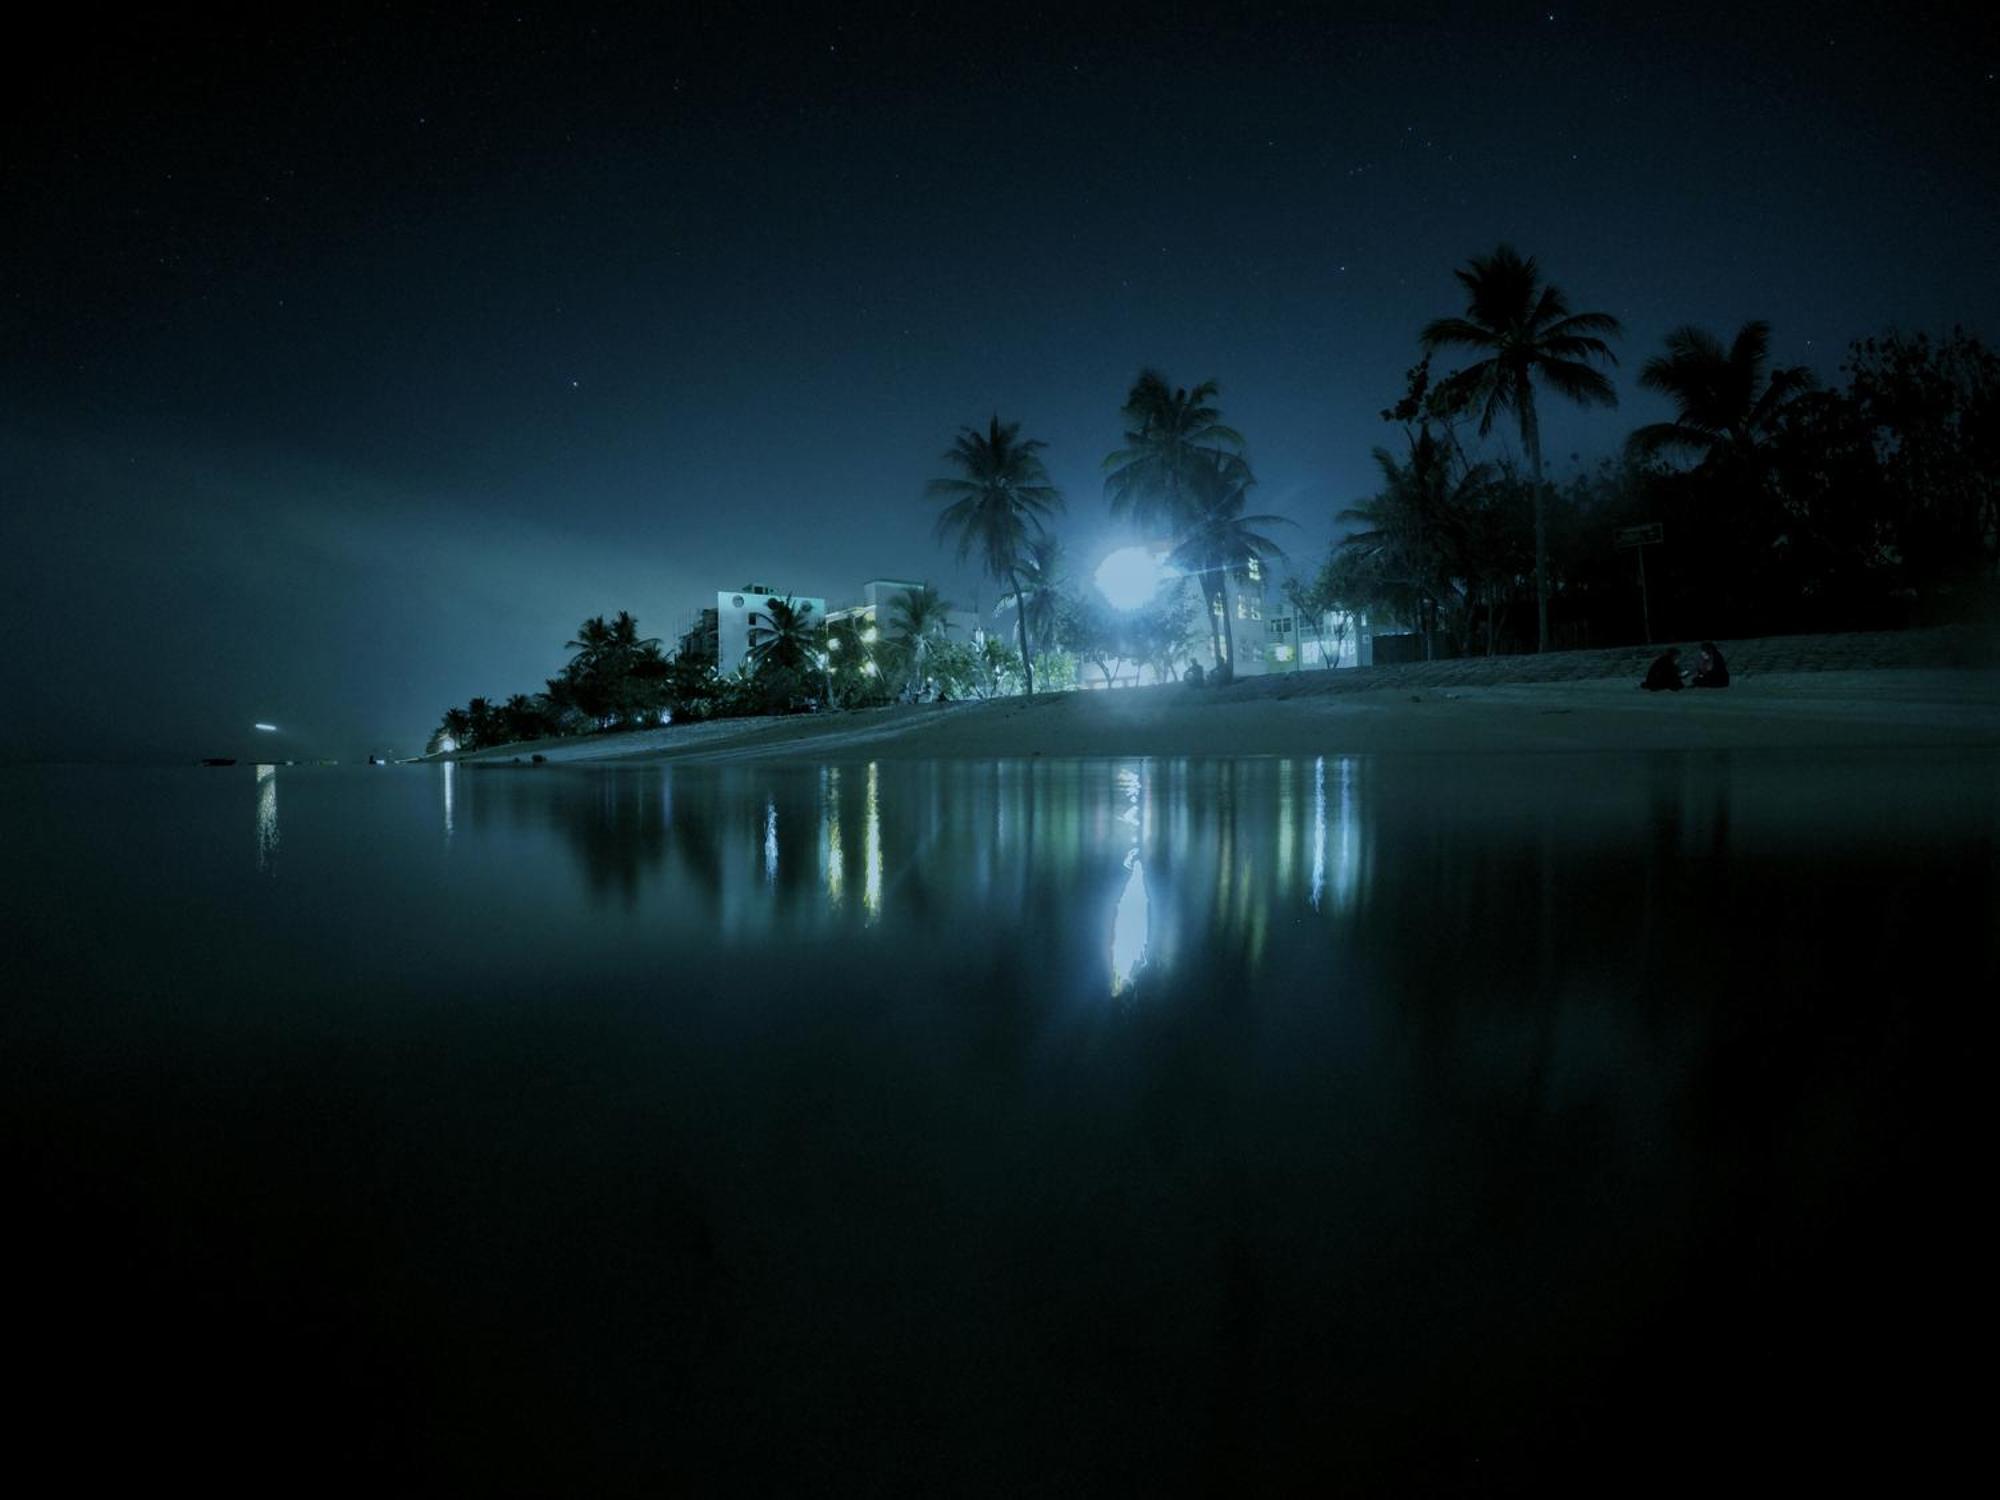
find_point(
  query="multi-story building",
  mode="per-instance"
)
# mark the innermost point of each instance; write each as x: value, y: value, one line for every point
x: 877, y: 609
x: 736, y: 610
x: 1337, y: 639
x: 697, y: 640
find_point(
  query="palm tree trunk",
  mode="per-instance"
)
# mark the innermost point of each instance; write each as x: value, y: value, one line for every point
x: 1531, y: 439
x: 1021, y: 622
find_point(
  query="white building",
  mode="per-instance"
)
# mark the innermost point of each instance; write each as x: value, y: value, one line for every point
x: 735, y: 611
x: 878, y: 609
x: 1341, y: 640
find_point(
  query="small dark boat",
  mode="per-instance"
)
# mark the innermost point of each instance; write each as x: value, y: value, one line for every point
x: 218, y: 760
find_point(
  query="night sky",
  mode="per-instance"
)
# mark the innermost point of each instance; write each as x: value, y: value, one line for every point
x: 347, y: 366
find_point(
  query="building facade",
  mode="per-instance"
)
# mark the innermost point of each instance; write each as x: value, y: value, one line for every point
x: 737, y: 610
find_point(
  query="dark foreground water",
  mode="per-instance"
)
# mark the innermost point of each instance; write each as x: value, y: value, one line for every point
x: 1052, y: 1128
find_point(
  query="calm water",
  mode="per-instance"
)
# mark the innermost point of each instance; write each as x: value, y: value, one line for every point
x: 1062, y: 1128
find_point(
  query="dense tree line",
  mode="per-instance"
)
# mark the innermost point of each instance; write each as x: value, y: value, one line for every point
x: 1784, y: 505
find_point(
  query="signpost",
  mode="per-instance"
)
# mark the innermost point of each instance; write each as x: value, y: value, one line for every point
x: 1638, y: 539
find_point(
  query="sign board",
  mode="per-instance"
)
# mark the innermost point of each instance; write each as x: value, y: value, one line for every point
x: 1645, y: 535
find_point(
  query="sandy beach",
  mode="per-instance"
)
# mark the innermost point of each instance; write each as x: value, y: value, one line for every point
x: 1316, y: 713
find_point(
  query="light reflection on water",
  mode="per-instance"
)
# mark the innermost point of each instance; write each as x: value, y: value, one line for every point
x: 1151, y: 855
x: 1436, y: 1096
x: 267, y: 817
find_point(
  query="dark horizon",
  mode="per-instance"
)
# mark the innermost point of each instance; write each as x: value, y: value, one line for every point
x: 349, y: 366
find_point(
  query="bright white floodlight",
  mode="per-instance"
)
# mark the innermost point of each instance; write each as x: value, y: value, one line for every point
x: 1128, y: 577
x: 267, y: 728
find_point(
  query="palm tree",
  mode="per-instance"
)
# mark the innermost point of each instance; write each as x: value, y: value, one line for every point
x: 998, y: 503
x: 1527, y: 333
x: 601, y: 643
x: 1218, y: 540
x: 1172, y: 435
x: 615, y: 673
x: 456, y: 726
x: 1420, y: 536
x: 1725, y: 409
x: 918, y: 620
x: 784, y: 634
x: 1042, y: 579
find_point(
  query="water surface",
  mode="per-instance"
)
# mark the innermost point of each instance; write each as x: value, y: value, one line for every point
x: 1109, y: 1127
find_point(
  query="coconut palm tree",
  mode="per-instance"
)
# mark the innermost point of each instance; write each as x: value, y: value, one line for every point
x: 997, y: 503
x: 456, y: 727
x: 1725, y: 408
x: 1041, y: 589
x: 1422, y: 536
x: 918, y: 621
x: 1218, y: 540
x: 1527, y: 334
x: 784, y: 634
x: 602, y: 643
x: 1171, y: 436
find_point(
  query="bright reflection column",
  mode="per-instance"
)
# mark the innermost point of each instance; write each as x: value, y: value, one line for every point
x: 871, y: 889
x: 836, y: 856
x: 267, y: 816
x: 1131, y: 919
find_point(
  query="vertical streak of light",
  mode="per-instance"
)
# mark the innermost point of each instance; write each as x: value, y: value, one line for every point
x: 836, y: 856
x: 1347, y: 857
x: 1319, y: 830
x: 770, y: 839
x: 1131, y: 919
x: 450, y: 772
x: 1285, y: 831
x: 267, y: 816
x: 871, y: 890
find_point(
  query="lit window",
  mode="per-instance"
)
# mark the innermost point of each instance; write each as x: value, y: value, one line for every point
x: 1256, y: 569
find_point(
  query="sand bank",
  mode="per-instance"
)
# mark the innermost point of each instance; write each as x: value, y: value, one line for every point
x: 1910, y: 707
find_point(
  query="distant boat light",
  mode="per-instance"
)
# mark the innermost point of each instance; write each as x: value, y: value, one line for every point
x: 267, y: 728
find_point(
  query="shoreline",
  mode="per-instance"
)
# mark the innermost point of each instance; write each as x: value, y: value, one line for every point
x: 1871, y: 707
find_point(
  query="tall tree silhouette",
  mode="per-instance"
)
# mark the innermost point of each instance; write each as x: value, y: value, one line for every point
x: 918, y: 621
x: 997, y: 502
x: 1527, y: 334
x: 1172, y: 437
x: 1726, y: 409
x: 1216, y: 540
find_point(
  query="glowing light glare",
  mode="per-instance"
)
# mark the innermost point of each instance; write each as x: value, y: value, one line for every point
x: 267, y: 728
x: 1129, y: 577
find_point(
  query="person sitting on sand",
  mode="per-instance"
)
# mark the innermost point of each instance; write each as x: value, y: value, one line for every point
x: 1664, y: 675
x: 1710, y: 670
